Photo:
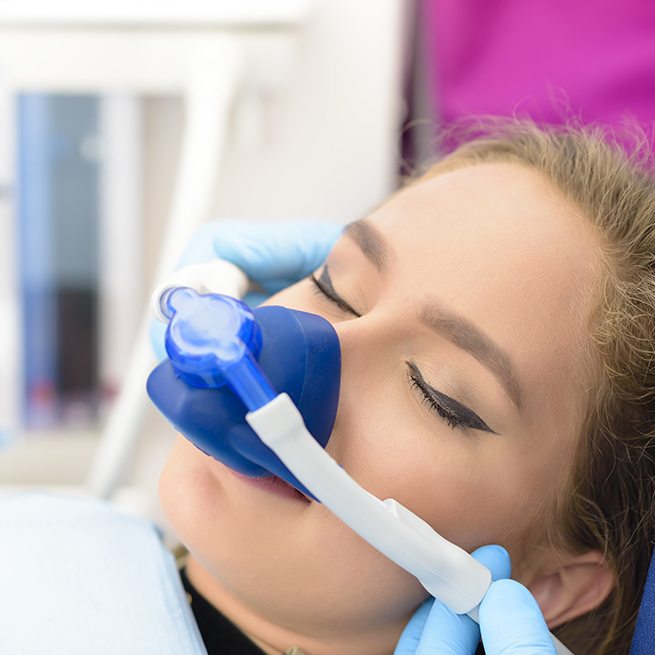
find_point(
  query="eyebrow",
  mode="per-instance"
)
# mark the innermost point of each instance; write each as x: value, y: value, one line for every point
x: 457, y: 329
x: 469, y: 337
x: 371, y: 242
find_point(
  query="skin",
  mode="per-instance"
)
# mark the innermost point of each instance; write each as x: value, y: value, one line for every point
x: 493, y: 243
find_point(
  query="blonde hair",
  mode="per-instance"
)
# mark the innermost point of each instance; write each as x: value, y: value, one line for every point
x: 609, y: 502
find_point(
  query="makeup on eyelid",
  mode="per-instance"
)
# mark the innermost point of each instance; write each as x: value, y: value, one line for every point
x: 324, y: 284
x: 456, y: 414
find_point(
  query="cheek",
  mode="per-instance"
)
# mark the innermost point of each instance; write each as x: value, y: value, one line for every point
x: 390, y: 449
x: 473, y: 489
x: 294, y: 568
x: 188, y: 493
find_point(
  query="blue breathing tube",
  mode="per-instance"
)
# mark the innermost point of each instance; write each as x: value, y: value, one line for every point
x: 226, y: 360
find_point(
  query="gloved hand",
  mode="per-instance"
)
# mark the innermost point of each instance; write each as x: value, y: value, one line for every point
x: 511, y: 622
x: 273, y: 254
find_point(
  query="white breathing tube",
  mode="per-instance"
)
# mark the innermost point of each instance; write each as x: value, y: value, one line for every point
x: 447, y: 571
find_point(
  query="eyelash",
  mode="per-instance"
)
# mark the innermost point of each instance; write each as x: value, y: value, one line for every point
x: 322, y: 290
x: 456, y: 415
x: 451, y: 418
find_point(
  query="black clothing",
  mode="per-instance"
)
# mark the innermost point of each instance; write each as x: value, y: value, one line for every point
x: 220, y: 635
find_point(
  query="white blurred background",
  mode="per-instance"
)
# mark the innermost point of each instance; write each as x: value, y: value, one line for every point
x: 118, y: 118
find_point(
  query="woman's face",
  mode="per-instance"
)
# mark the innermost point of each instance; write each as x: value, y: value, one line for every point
x: 461, y: 306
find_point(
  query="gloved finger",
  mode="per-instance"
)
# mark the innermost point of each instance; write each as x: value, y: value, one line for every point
x: 511, y: 622
x: 254, y: 299
x: 447, y: 633
x: 274, y: 285
x: 411, y: 635
x: 435, y: 629
x: 157, y: 335
x: 200, y: 248
x: 283, y: 250
x: 496, y: 559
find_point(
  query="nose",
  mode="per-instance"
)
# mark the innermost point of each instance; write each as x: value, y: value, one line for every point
x: 367, y: 341
x: 367, y: 344
x: 300, y: 355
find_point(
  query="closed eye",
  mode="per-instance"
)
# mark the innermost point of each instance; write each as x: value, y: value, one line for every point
x: 323, y: 285
x: 451, y: 411
x: 454, y: 413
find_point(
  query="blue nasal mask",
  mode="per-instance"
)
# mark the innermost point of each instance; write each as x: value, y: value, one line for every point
x: 225, y: 360
x: 258, y: 390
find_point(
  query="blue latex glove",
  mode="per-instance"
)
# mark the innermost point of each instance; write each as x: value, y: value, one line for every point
x: 273, y: 254
x: 511, y: 622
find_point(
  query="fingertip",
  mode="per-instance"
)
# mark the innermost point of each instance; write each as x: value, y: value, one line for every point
x: 447, y: 632
x: 502, y: 591
x: 201, y: 246
x: 422, y: 613
x: 411, y: 635
x: 510, y: 616
x: 157, y: 339
x: 234, y: 241
x: 254, y: 299
x: 496, y: 559
x: 330, y: 232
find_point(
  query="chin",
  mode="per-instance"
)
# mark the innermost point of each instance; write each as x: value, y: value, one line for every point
x: 284, y: 560
x: 190, y: 495
x: 223, y: 524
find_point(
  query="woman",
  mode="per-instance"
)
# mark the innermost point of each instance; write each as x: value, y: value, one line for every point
x: 497, y: 323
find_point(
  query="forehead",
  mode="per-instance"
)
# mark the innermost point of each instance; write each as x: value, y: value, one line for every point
x: 498, y: 245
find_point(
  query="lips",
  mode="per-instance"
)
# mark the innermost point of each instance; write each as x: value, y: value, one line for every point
x: 273, y: 484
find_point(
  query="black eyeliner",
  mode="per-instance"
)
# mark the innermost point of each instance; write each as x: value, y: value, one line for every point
x: 324, y: 284
x: 456, y: 414
x: 460, y: 413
